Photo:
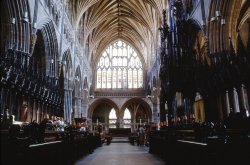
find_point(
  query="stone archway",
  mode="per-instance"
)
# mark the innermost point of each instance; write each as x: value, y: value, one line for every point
x: 141, y: 113
x: 98, y: 113
x: 137, y: 107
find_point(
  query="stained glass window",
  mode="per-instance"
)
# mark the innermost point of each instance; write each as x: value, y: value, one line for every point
x: 119, y: 67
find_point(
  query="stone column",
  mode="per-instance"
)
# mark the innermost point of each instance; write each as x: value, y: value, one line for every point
x: 30, y: 110
x: 68, y: 105
x: 90, y: 124
x: 34, y: 110
x: 65, y: 115
x: 84, y: 109
x: 38, y: 112
x: 227, y: 104
x: 2, y: 100
x: 236, y: 101
x: 244, y: 101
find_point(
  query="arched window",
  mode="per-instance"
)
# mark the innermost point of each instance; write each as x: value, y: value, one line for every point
x: 119, y: 67
x: 112, y: 118
x: 127, y: 118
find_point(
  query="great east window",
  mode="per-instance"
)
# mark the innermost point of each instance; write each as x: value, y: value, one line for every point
x: 119, y: 67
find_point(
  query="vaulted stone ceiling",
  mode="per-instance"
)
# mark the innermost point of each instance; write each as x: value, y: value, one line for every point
x: 135, y: 21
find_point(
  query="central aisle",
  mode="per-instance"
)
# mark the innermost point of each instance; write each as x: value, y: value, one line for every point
x: 120, y: 154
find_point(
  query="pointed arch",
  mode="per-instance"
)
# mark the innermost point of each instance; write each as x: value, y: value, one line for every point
x: 97, y: 102
x: 114, y: 64
x: 51, y: 48
x: 67, y: 63
x: 134, y: 104
x: 85, y: 83
x: 77, y: 82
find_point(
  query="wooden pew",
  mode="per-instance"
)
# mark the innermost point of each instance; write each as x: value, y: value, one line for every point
x: 179, y: 147
x: 58, y: 148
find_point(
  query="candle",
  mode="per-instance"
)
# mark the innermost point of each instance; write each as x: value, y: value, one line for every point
x: 97, y: 121
x: 140, y: 121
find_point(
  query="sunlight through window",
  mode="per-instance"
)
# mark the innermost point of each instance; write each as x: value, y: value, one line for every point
x: 127, y: 118
x: 119, y: 68
x: 112, y: 118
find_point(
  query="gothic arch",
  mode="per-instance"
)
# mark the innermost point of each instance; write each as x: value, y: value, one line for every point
x: 67, y: 64
x: 68, y: 84
x: 43, y: 21
x: 119, y: 58
x: 16, y: 25
x: 243, y: 24
x: 101, y: 50
x: 85, y: 83
x: 77, y: 82
x: 135, y: 103
x: 243, y: 15
x: 101, y: 101
x: 51, y: 48
x: 38, y: 58
x: 218, y: 31
x: 139, y: 28
x: 234, y: 18
x: 224, y: 21
x: 77, y: 94
x: 85, y: 89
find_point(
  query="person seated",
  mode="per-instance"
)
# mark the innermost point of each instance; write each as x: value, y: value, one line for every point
x: 66, y: 124
x: 41, y: 129
x: 49, y: 125
x: 57, y: 123
x: 34, y: 129
x: 61, y: 124
x: 82, y: 128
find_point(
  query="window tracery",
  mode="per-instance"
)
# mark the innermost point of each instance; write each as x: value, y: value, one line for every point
x: 119, y: 67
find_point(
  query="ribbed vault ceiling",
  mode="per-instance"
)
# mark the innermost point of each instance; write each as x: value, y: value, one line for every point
x: 135, y: 21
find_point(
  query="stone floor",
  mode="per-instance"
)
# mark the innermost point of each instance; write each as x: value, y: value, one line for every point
x: 120, y: 154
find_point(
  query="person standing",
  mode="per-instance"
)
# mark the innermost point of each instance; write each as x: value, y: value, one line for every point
x: 141, y: 135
